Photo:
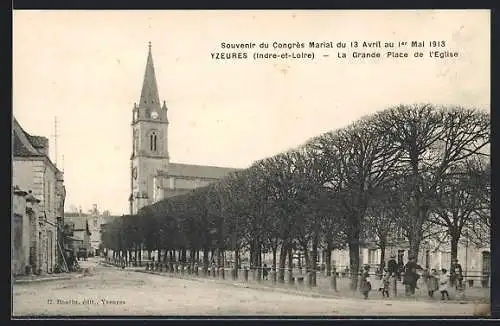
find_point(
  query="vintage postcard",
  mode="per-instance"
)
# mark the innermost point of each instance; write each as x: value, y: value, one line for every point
x: 251, y: 163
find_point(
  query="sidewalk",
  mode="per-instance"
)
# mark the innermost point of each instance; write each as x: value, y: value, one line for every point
x: 322, y: 290
x: 45, y: 278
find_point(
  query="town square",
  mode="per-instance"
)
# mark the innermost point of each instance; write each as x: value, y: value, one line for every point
x: 151, y: 179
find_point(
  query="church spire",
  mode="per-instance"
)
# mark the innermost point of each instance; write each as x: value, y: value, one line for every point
x: 149, y: 93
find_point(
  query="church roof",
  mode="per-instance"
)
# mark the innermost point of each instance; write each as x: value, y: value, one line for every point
x: 198, y: 171
x: 149, y: 93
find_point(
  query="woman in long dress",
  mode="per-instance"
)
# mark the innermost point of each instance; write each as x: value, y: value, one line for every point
x: 432, y: 282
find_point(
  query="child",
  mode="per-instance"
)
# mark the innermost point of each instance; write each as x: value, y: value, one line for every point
x: 386, y: 279
x: 443, y: 284
x: 365, y: 285
x: 432, y: 282
x: 265, y: 272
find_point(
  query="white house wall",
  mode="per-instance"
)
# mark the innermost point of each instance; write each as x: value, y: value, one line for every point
x: 39, y: 176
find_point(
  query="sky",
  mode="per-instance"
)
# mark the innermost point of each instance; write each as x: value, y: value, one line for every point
x: 86, y: 68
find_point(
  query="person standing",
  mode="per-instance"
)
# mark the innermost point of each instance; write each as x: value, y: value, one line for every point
x: 400, y: 268
x: 444, y: 280
x: 386, y: 279
x: 410, y: 276
x: 265, y: 272
x: 432, y: 282
x: 456, y: 274
x: 392, y: 265
x: 365, y: 285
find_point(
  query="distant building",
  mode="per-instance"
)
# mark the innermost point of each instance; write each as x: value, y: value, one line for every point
x: 475, y: 260
x: 153, y: 177
x: 94, y: 226
x: 33, y: 171
x: 96, y: 221
x: 78, y: 231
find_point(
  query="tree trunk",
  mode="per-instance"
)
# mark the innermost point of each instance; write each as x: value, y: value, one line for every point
x: 259, y: 261
x: 314, y: 264
x: 382, y: 255
x: 354, y: 262
x: 252, y: 254
x: 306, y: 258
x: 219, y: 257
x: 414, y: 239
x: 328, y: 258
x: 205, y: 259
x: 237, y: 258
x: 455, y: 237
x: 236, y: 261
x: 282, y: 262
x: 275, y: 253
x: 299, y: 262
x: 290, y: 262
x: 415, y: 232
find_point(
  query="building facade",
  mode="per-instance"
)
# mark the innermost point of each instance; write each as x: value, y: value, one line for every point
x: 153, y: 176
x: 77, y: 225
x: 96, y: 221
x: 474, y: 259
x: 32, y: 170
x: 25, y: 252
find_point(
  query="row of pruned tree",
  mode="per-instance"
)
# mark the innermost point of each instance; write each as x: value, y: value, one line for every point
x: 417, y: 168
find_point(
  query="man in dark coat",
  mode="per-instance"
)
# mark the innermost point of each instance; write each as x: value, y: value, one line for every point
x: 392, y: 265
x: 456, y: 274
x: 411, y: 276
x: 400, y: 269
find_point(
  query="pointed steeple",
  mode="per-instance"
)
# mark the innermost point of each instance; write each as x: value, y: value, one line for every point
x: 149, y: 93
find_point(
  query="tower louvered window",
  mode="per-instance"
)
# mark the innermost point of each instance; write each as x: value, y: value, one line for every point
x: 152, y: 142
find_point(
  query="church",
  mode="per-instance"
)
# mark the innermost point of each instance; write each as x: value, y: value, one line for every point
x: 153, y: 176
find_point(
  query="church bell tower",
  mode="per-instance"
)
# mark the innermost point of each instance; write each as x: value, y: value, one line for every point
x: 149, y: 140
